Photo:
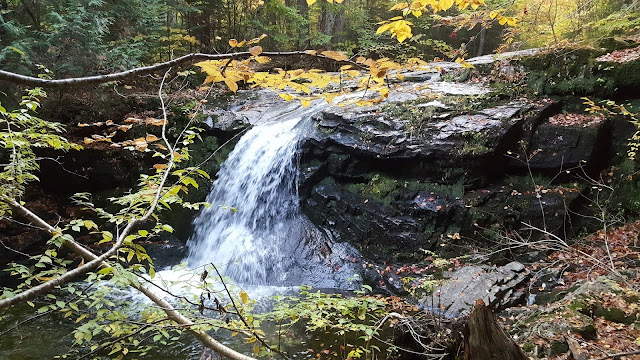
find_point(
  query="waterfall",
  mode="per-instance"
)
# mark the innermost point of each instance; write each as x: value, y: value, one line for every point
x: 254, y: 222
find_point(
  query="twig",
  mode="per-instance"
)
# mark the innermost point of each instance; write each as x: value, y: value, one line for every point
x: 96, y: 261
x: 636, y: 352
x: 244, y: 321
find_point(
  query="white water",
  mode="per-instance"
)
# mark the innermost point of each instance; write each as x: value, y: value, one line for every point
x: 253, y: 243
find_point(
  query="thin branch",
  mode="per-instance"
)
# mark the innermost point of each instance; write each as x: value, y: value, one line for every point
x: 244, y: 321
x: 96, y: 261
x: 183, y: 60
x: 121, y: 337
x: 636, y: 352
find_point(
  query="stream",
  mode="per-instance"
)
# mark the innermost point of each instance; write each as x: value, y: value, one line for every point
x: 254, y: 232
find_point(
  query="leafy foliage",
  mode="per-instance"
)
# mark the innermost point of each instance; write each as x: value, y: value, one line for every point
x: 21, y: 132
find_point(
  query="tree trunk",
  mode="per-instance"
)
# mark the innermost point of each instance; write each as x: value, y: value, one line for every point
x: 331, y: 23
x: 481, y: 41
x: 485, y: 340
x: 304, y: 11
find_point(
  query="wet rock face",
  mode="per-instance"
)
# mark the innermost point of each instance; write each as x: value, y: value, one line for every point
x: 397, y: 178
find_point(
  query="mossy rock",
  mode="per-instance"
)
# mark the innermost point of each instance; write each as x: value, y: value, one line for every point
x: 577, y: 72
x: 558, y: 347
x: 588, y: 332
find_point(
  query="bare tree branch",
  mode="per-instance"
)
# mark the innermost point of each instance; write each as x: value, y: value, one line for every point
x: 171, y: 312
x: 183, y: 60
x: 96, y: 261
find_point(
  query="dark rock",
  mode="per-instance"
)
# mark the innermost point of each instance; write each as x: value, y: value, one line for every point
x: 417, y: 76
x: 225, y: 121
x: 381, y: 186
x: 365, y: 222
x: 166, y: 252
x: 556, y: 147
x: 497, y: 287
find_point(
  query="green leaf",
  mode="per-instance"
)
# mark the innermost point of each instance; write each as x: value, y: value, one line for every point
x: 89, y: 224
x: 105, y: 271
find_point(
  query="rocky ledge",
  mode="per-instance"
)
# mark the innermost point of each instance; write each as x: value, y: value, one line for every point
x: 443, y: 166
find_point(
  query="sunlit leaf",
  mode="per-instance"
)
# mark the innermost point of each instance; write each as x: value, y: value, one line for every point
x: 256, y: 50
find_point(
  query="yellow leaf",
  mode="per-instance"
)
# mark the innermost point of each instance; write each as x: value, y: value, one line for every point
x: 232, y: 43
x: 311, y: 2
x: 305, y: 102
x: 244, y: 297
x: 467, y: 65
x: 262, y: 59
x: 155, y: 122
x: 300, y: 88
x: 287, y: 97
x: 503, y: 20
x: 351, y: 73
x: 256, y: 50
x: 151, y: 138
x: 399, y: 6
x: 383, y: 28
x: 446, y: 4
x: 159, y: 166
x: 335, y: 55
x: 329, y: 97
x: 233, y: 86
x: 89, y: 224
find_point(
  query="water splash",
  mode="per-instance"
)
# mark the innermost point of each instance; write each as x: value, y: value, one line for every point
x: 254, y: 218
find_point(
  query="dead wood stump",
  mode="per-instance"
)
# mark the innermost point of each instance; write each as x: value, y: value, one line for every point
x: 485, y: 340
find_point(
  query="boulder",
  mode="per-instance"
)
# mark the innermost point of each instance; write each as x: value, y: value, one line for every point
x: 498, y: 287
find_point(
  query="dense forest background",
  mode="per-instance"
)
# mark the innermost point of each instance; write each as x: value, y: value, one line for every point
x: 78, y: 37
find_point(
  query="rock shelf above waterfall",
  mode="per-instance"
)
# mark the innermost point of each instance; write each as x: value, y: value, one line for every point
x: 395, y: 178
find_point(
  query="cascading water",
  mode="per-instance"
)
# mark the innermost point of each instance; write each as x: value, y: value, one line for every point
x: 254, y: 224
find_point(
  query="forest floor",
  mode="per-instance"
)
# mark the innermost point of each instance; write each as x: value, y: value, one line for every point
x: 593, y: 310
